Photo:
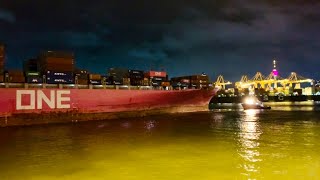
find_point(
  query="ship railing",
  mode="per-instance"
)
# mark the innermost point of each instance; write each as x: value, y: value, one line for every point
x: 83, y: 86
x: 79, y: 86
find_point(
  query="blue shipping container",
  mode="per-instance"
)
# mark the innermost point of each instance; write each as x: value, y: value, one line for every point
x: 55, y: 79
x: 59, y: 74
x: 59, y: 81
x: 59, y: 77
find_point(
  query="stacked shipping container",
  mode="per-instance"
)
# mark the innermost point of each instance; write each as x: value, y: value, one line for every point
x: 157, y: 78
x: 57, y: 66
x: 119, y: 76
x: 136, y: 77
x: 2, y: 56
x: 95, y: 79
x: 31, y: 71
x: 105, y: 80
x: 195, y: 81
x: 15, y: 76
x: 181, y: 82
x: 53, y: 77
x: 81, y: 76
x: 200, y: 81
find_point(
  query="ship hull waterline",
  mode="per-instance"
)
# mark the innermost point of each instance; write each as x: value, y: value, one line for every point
x: 44, y: 106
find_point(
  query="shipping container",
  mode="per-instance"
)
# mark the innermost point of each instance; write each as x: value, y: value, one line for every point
x: 67, y: 69
x: 2, y: 52
x: 61, y: 61
x: 200, y: 77
x: 95, y: 77
x: 156, y: 83
x: 16, y: 79
x: 136, y: 72
x: 81, y: 72
x: 136, y: 76
x: 59, y: 80
x: 56, y: 61
x: 55, y: 67
x: 126, y: 81
x: 199, y: 81
x: 155, y: 74
x: 81, y: 76
x: 185, y: 81
x: 136, y: 82
x: 179, y: 84
x: 181, y: 79
x: 95, y: 82
x: 165, y: 83
x: 15, y: 73
x: 104, y: 79
x: 59, y: 73
x: 200, y: 85
x: 34, y: 79
x: 30, y: 65
x: 83, y: 81
x: 118, y: 72
x: 117, y: 83
x: 58, y: 54
x: 116, y: 80
x: 158, y: 79
x: 31, y: 73
x: 145, y: 82
x: 53, y: 77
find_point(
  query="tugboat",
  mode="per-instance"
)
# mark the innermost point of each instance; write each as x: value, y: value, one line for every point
x: 253, y: 103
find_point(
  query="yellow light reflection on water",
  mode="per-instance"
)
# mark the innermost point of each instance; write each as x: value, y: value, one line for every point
x: 249, y: 135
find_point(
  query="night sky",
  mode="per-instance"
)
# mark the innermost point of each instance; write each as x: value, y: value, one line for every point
x: 183, y: 37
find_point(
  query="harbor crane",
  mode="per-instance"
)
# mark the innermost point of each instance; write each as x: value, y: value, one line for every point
x: 297, y: 80
x: 221, y: 83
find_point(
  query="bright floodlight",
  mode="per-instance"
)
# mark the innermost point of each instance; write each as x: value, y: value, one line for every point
x: 249, y: 101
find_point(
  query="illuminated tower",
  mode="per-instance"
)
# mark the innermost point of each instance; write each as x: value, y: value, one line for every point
x: 275, y: 73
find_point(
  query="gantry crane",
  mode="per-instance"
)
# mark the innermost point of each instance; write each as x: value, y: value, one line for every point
x: 294, y: 78
x: 221, y: 83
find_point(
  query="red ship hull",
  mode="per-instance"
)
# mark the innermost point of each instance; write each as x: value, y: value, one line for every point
x: 42, y: 106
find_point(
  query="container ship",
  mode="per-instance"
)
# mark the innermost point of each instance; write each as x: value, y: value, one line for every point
x: 50, y: 90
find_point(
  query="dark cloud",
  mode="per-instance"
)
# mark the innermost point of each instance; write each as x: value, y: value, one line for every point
x: 184, y: 37
x: 7, y: 16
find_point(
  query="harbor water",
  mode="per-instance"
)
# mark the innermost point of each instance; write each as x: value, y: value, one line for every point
x: 218, y: 144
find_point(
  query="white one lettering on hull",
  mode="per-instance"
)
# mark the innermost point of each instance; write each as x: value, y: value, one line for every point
x: 57, y: 99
